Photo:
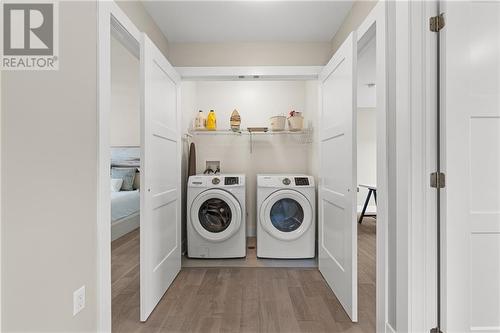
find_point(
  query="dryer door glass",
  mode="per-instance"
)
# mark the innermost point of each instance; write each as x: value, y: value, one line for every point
x: 287, y: 215
x: 215, y: 215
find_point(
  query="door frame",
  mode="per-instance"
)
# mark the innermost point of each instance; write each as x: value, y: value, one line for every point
x: 377, y: 19
x: 413, y: 108
x: 110, y: 16
x: 410, y: 109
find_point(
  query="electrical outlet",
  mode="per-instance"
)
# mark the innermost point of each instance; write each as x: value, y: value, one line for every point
x: 78, y: 300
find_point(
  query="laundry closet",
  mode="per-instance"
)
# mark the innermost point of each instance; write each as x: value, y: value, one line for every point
x: 257, y: 98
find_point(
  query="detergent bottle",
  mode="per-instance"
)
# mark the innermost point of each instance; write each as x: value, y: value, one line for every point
x: 199, y: 122
x: 211, y: 121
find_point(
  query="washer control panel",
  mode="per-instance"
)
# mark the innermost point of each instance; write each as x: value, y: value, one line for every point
x: 231, y: 180
x: 301, y: 181
x: 221, y: 180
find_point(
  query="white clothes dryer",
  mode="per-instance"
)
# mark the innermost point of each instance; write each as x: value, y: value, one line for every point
x: 286, y: 227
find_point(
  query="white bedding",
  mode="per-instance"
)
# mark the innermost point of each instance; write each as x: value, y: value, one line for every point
x: 124, y: 203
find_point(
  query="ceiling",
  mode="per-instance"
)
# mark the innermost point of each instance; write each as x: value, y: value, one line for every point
x: 248, y: 21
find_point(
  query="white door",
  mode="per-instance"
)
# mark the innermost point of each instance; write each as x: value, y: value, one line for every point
x: 160, y: 177
x: 337, y: 186
x: 471, y: 162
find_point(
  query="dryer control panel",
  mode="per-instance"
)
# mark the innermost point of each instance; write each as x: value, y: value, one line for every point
x: 284, y: 181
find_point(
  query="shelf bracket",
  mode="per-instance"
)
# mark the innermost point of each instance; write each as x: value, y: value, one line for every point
x: 251, y: 142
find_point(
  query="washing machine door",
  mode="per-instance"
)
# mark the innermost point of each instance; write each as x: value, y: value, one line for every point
x: 286, y: 214
x: 216, y: 215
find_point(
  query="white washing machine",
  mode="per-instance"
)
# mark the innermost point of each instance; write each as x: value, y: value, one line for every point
x: 216, y: 216
x: 286, y: 227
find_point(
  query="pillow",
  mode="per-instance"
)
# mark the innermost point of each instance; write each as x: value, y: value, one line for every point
x: 137, y: 181
x: 116, y: 185
x: 127, y: 174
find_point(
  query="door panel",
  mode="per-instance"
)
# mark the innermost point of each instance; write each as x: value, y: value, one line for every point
x: 337, y: 189
x: 160, y: 182
x: 471, y: 159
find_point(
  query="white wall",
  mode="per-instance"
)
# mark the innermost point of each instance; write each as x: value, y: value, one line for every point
x: 49, y: 184
x: 312, y: 121
x: 125, y: 97
x: 367, y: 67
x: 256, y: 101
x: 366, y: 122
x: 249, y: 54
x: 367, y: 154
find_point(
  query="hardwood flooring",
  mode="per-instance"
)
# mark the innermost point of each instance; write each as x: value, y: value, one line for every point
x: 241, y: 299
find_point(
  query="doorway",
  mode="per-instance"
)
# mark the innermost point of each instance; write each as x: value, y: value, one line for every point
x: 366, y: 134
x: 342, y: 261
x: 125, y: 148
x: 157, y: 156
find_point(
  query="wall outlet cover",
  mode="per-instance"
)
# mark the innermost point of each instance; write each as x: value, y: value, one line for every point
x: 78, y: 300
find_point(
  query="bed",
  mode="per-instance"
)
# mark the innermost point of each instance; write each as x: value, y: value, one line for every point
x: 125, y: 205
x: 125, y: 212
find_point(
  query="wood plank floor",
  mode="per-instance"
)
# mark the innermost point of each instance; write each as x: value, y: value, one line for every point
x: 239, y: 299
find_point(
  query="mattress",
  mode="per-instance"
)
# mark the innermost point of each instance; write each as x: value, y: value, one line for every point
x: 124, y: 203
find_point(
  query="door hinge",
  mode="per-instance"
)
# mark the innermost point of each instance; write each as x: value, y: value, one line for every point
x: 436, y: 23
x: 438, y: 180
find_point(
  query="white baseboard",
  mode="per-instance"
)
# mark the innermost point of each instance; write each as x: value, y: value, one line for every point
x: 124, y: 226
x: 388, y: 328
x: 371, y: 209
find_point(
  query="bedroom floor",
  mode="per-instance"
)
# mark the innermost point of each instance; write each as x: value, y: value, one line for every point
x: 242, y: 299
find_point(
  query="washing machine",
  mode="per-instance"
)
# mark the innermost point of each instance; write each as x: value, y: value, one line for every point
x: 286, y: 227
x: 216, y: 216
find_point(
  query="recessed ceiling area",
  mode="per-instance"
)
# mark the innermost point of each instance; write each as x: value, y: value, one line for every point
x: 248, y: 21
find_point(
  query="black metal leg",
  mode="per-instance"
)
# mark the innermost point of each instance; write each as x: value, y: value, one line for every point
x: 375, y: 196
x: 365, y: 205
